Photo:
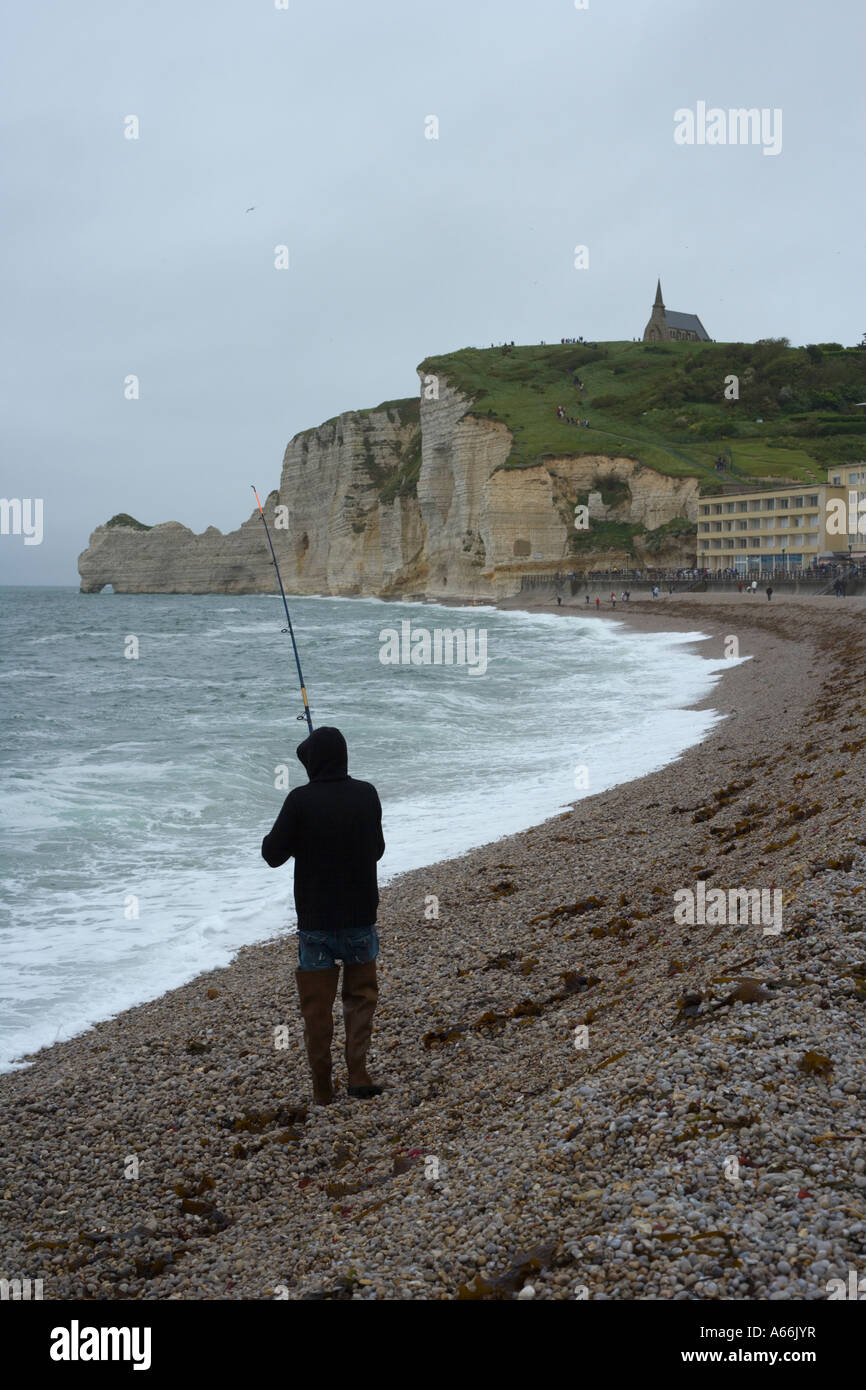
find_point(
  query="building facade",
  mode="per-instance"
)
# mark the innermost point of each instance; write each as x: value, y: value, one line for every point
x: 795, y: 528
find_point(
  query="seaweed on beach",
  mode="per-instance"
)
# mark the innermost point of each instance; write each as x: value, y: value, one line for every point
x: 512, y: 1279
x: 577, y: 909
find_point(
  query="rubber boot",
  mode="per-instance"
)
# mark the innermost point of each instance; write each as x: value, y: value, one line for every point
x: 360, y: 993
x: 317, y: 990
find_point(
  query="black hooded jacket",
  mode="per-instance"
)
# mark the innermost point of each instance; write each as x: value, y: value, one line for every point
x: 333, y: 827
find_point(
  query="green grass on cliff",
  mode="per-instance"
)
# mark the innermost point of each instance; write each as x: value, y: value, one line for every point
x: 664, y: 404
x: 124, y: 519
x: 404, y: 482
x: 407, y: 410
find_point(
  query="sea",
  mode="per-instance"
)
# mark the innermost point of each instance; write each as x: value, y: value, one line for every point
x: 148, y: 742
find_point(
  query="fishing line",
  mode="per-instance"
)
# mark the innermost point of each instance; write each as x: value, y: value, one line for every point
x: 289, y: 629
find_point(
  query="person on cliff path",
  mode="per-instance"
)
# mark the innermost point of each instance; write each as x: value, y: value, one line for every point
x: 333, y: 829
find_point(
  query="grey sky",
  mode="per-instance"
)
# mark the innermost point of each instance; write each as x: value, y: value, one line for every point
x: 556, y: 129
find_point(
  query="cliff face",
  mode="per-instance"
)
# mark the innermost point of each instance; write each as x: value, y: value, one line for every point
x: 342, y: 537
x: 171, y: 559
x: 409, y: 499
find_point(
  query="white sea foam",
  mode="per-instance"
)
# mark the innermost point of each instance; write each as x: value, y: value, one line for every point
x: 135, y: 820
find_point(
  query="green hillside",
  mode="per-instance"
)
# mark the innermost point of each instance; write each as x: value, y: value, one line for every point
x: 664, y: 404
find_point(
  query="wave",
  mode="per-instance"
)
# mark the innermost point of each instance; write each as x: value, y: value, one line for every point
x: 157, y: 779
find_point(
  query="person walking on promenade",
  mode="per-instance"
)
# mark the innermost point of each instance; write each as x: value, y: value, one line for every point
x: 333, y: 829
x: 598, y: 602
x: 769, y: 592
x: 587, y: 599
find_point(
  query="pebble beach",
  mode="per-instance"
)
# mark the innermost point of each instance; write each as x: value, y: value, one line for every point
x: 586, y: 1098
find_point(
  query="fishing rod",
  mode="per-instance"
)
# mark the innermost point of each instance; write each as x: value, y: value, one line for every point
x: 289, y: 629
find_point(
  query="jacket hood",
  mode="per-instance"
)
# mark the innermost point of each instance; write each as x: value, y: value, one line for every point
x: 324, y: 755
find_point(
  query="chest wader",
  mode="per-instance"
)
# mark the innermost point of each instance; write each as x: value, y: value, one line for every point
x: 317, y: 990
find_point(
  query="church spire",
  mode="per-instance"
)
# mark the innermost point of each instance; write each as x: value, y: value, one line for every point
x: 659, y: 302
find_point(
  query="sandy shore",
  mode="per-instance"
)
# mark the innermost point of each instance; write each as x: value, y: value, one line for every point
x: 681, y: 1146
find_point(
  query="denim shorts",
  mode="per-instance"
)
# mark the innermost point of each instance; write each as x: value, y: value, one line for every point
x: 320, y: 950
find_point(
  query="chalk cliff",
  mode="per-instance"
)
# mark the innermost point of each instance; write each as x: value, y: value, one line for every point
x: 412, y: 498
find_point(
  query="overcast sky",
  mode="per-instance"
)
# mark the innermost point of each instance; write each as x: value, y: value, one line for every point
x: 556, y: 129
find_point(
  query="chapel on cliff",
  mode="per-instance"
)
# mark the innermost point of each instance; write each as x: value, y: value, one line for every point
x: 667, y: 326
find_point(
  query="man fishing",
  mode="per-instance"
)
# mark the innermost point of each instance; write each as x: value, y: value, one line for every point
x: 333, y: 829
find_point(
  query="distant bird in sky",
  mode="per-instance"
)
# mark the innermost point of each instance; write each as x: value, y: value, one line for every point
x: 250, y: 209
